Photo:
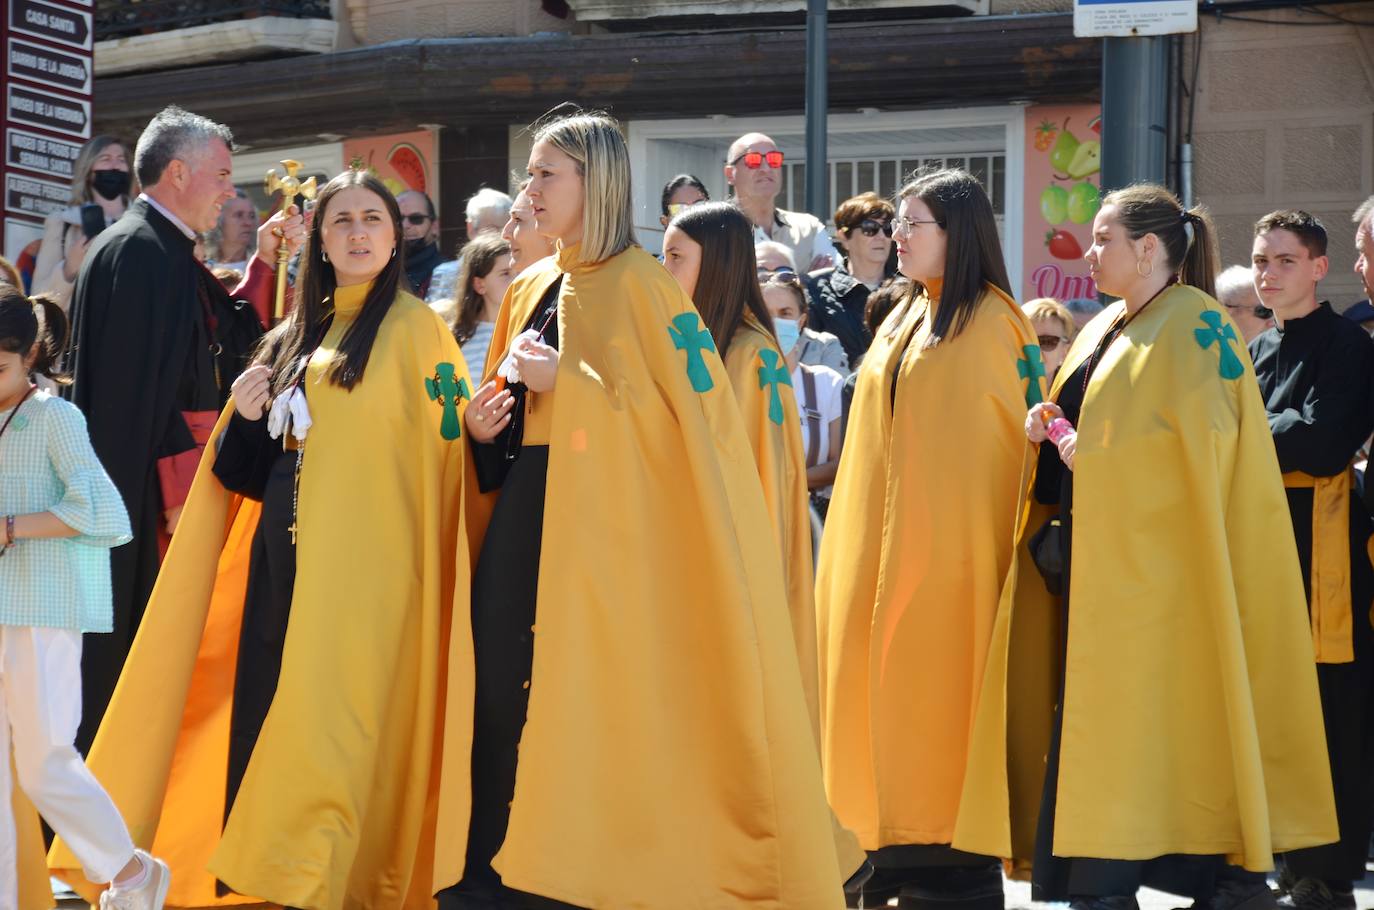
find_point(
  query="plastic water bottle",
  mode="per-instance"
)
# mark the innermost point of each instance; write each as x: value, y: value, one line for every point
x: 1058, y: 429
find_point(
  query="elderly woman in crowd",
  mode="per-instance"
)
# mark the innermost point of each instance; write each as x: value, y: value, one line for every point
x: 863, y: 226
x: 1054, y: 327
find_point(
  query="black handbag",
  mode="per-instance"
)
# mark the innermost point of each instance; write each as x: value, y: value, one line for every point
x: 1047, y: 552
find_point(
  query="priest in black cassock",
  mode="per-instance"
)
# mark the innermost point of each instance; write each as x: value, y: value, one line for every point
x: 1315, y: 371
x: 157, y: 342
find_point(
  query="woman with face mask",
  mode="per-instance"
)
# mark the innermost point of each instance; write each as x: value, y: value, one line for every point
x: 819, y: 388
x: 621, y: 545
x: 101, y: 176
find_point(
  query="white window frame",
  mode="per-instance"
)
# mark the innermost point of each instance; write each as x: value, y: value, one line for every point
x: 1012, y: 117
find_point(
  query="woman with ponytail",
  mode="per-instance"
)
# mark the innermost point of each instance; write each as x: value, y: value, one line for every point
x: 1150, y: 713
x: 59, y: 514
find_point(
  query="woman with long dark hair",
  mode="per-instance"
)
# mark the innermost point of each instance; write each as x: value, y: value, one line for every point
x: 485, y: 274
x: 626, y: 549
x: 297, y: 622
x: 1150, y: 714
x: 917, y: 542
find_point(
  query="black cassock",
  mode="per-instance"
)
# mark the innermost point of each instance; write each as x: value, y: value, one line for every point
x: 1315, y: 376
x: 155, y: 336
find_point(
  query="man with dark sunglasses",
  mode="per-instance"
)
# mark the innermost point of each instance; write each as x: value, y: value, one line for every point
x: 753, y: 166
x: 420, y: 225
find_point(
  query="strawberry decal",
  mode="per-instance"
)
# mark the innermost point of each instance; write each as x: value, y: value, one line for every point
x: 1063, y: 245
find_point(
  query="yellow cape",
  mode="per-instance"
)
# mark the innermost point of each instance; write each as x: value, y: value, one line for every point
x: 336, y: 807
x: 1192, y: 722
x: 667, y: 759
x: 763, y: 388
x: 914, y: 555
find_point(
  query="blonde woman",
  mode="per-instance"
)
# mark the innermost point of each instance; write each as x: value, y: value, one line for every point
x: 1054, y: 329
x: 639, y: 731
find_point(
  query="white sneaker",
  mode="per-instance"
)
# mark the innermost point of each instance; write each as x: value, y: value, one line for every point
x: 148, y: 896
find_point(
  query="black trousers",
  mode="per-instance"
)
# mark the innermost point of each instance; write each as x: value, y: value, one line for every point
x: 505, y: 591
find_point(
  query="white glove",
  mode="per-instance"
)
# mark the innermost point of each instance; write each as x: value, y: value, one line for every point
x: 509, y: 370
x: 291, y: 411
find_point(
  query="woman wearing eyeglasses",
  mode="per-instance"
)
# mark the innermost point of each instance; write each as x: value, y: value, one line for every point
x: 1054, y: 329
x: 917, y: 544
x: 864, y: 226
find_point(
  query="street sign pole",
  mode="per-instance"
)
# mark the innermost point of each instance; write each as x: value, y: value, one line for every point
x: 817, y: 103
x: 1135, y: 88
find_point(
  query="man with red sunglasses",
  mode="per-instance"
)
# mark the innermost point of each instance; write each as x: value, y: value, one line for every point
x: 753, y: 166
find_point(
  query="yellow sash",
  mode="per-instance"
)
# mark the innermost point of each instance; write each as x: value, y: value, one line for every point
x: 1330, y: 613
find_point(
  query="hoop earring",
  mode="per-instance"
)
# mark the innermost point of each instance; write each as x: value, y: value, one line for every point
x: 393, y: 252
x: 324, y: 255
x: 1145, y: 274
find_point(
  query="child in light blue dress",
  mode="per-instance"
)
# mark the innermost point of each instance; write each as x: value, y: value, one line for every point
x: 59, y: 516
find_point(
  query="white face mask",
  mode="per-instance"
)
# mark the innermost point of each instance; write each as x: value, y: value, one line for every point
x: 789, y: 333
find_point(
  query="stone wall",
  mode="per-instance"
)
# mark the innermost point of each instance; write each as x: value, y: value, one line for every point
x: 1285, y: 119
x: 379, y: 21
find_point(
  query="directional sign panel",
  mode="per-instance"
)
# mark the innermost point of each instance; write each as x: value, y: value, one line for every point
x: 47, y: 110
x: 55, y: 23
x: 1133, y: 18
x: 34, y: 197
x: 49, y: 67
x: 44, y: 154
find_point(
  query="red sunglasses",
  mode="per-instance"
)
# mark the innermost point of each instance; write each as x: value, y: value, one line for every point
x: 753, y: 160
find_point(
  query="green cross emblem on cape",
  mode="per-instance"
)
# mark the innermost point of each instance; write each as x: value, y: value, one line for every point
x: 772, y: 374
x: 1031, y: 368
x: 445, y: 388
x: 1223, y: 335
x: 689, y: 336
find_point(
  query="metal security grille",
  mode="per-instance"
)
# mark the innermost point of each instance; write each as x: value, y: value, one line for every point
x: 885, y: 176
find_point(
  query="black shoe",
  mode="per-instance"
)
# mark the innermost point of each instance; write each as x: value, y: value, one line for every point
x: 1231, y: 894
x: 1114, y: 902
x: 856, y: 882
x: 1315, y: 894
x: 1283, y: 884
x: 956, y: 888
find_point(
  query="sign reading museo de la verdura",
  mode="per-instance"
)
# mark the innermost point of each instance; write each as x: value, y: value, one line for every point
x: 1133, y: 18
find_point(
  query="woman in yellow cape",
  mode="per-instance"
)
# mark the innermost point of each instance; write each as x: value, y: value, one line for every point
x: 709, y: 249
x: 917, y: 544
x: 314, y: 788
x: 665, y: 757
x: 1190, y: 735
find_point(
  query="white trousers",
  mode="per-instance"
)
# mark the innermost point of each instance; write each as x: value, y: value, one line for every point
x: 40, y: 709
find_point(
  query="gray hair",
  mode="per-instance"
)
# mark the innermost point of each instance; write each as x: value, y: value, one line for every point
x: 1362, y: 214
x: 772, y: 246
x: 1085, y: 305
x: 174, y: 133
x: 1235, y: 279
x: 487, y: 200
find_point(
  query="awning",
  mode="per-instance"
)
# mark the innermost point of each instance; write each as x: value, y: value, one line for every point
x: 978, y: 60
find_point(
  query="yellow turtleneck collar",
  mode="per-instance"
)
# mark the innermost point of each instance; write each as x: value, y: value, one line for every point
x: 348, y: 301
x: 569, y: 257
x: 933, y: 287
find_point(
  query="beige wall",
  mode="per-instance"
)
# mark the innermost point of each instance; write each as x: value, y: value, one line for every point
x: 1285, y: 119
x: 378, y: 21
